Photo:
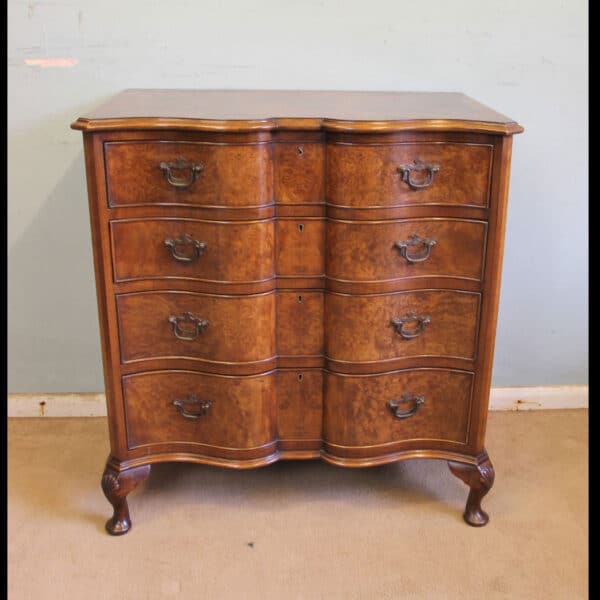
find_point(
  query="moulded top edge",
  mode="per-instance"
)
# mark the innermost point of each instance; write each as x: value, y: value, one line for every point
x: 256, y: 110
x: 304, y: 124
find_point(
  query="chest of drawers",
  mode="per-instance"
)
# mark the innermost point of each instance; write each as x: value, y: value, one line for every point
x: 296, y: 275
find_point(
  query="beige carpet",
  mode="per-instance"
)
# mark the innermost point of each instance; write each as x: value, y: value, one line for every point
x: 300, y: 530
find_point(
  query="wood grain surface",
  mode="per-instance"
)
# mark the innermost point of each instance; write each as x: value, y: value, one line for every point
x: 359, y: 328
x: 357, y: 415
x: 299, y: 172
x: 241, y: 414
x: 300, y: 248
x: 232, y: 252
x: 231, y: 175
x: 240, y: 328
x: 300, y: 407
x: 300, y: 328
x: 367, y: 251
x: 365, y: 175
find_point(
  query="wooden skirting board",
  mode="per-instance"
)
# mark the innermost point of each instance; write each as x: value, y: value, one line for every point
x: 501, y: 398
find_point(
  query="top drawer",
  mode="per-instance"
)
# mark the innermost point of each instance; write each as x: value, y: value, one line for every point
x: 188, y: 173
x: 408, y: 174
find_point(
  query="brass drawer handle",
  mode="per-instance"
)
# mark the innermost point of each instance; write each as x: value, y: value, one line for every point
x: 409, y: 319
x: 405, y: 399
x: 182, y: 334
x: 181, y: 164
x: 198, y: 248
x: 418, y: 167
x: 200, y: 408
x: 414, y: 241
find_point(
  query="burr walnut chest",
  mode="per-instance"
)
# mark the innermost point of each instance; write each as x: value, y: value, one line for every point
x: 296, y: 275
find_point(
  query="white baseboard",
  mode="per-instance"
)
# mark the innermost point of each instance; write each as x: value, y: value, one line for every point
x: 57, y: 405
x: 539, y: 397
x: 501, y: 398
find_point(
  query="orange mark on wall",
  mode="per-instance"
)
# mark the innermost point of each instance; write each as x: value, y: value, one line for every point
x: 51, y: 62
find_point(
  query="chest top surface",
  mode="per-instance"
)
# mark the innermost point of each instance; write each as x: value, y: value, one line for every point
x: 249, y: 110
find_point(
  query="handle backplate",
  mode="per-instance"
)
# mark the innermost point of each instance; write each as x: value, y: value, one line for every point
x: 191, y: 407
x: 175, y: 245
x: 185, y: 333
x: 419, y: 167
x: 169, y: 170
x: 415, y: 241
x: 394, y: 405
x: 410, y: 325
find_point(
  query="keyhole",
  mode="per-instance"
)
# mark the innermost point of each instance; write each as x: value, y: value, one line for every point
x: 300, y: 228
x: 300, y: 150
x: 300, y: 377
x: 299, y: 299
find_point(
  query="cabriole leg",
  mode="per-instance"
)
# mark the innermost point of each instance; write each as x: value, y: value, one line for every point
x: 479, y: 478
x: 116, y: 485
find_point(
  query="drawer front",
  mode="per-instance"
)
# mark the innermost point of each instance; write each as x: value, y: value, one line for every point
x: 372, y: 328
x: 299, y: 173
x: 300, y: 247
x: 300, y: 404
x: 389, y: 250
x: 429, y: 405
x: 203, y: 327
x: 387, y: 175
x: 193, y: 249
x: 194, y: 173
x: 182, y: 407
x: 300, y: 323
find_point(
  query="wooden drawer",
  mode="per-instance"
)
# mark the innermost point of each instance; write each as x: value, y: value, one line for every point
x: 299, y: 405
x: 222, y: 412
x: 221, y: 329
x: 379, y: 251
x: 360, y: 328
x: 168, y: 248
x: 300, y: 247
x: 138, y: 172
x: 357, y: 411
x: 300, y: 323
x: 361, y: 175
x: 299, y: 173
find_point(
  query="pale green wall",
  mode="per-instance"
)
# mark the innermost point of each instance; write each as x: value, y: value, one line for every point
x: 525, y: 58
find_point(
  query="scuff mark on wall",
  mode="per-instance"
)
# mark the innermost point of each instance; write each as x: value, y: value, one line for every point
x: 520, y: 404
x: 51, y: 62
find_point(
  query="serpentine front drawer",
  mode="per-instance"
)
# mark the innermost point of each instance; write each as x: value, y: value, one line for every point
x: 382, y: 331
x: 192, y: 249
x: 172, y: 172
x: 216, y: 415
x: 370, y: 415
x: 405, y: 249
x: 426, y: 173
x: 214, y: 331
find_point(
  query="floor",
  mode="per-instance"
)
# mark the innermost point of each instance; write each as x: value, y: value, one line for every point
x: 301, y: 530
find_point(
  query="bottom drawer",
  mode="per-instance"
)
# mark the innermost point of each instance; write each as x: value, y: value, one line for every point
x: 216, y: 415
x: 387, y: 412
